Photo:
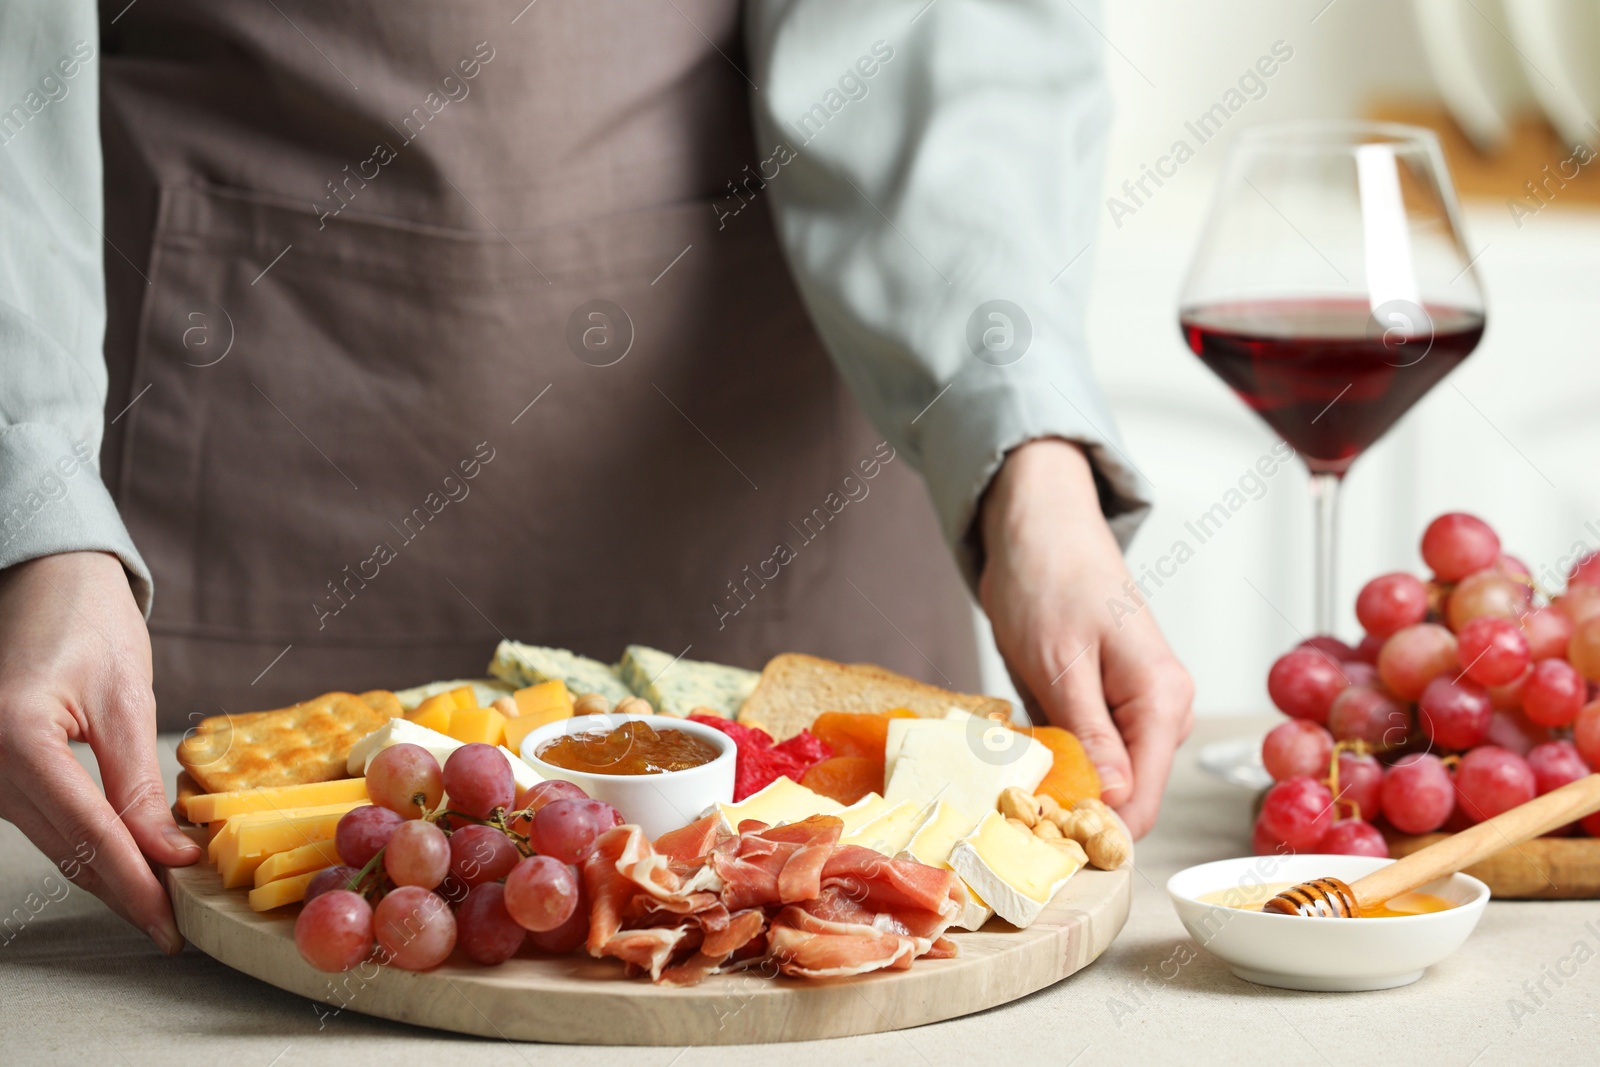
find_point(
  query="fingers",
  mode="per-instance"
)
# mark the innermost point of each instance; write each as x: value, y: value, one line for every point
x: 67, y: 798
x: 1076, y: 701
x: 124, y: 743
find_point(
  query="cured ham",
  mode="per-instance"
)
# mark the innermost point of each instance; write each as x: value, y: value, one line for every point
x: 702, y: 900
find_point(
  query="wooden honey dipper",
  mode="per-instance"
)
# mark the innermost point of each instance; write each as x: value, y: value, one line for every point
x: 1331, y: 898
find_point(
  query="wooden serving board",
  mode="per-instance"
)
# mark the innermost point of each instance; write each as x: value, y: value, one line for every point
x: 577, y: 1000
x: 1546, y: 868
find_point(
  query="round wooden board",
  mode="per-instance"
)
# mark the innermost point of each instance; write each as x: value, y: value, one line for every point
x: 578, y: 1000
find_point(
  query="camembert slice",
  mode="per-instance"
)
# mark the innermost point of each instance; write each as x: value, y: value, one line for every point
x: 862, y: 812
x: 931, y: 844
x: 1014, y: 872
x: 890, y: 832
x: 784, y: 801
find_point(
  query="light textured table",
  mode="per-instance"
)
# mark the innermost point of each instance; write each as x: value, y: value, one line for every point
x: 78, y: 986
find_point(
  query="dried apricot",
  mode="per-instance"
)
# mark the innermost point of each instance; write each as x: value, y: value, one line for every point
x: 845, y: 778
x: 1072, y: 777
x: 857, y: 734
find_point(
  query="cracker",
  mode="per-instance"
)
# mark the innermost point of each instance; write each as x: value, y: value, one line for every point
x: 304, y: 743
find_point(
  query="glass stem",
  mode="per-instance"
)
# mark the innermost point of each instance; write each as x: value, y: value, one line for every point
x: 1325, y: 507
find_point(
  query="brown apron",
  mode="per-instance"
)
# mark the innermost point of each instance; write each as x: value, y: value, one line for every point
x: 358, y: 248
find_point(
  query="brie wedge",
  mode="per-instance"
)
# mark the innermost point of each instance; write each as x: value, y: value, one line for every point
x: 783, y: 801
x: 891, y: 831
x: 932, y: 843
x: 1014, y: 872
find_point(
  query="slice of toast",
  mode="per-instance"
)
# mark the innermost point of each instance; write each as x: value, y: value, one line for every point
x: 794, y: 689
x: 304, y: 743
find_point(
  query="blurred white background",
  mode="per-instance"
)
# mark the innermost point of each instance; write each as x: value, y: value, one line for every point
x: 1511, y: 435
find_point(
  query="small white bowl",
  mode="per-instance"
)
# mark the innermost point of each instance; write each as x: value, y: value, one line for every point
x: 1291, y: 952
x: 655, y: 802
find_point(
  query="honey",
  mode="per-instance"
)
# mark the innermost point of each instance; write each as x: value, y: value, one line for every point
x: 1251, y: 897
x: 632, y: 748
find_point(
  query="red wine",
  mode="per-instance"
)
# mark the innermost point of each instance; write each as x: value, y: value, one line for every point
x: 1325, y: 373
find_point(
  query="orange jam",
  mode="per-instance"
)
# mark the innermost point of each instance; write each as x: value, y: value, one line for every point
x: 1251, y: 897
x: 632, y: 748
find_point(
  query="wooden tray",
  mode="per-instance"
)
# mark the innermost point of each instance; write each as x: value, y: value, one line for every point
x: 1546, y: 868
x: 578, y: 1000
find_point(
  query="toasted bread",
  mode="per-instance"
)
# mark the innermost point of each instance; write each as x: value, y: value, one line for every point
x: 794, y: 689
x: 304, y: 743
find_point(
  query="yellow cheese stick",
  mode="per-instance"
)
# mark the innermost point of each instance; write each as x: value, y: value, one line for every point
x: 253, y: 845
x: 211, y: 807
x: 313, y: 857
x: 234, y: 826
x: 283, y: 891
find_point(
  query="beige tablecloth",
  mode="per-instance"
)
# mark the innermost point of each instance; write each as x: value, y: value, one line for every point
x: 78, y: 986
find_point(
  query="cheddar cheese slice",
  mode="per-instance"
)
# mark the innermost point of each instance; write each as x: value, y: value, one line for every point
x: 283, y: 891
x: 211, y: 807
x: 231, y: 828
x: 312, y: 857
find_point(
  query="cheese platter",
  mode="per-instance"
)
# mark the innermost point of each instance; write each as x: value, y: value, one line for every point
x: 683, y: 853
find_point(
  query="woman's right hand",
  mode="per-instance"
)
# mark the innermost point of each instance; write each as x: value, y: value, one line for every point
x: 75, y: 666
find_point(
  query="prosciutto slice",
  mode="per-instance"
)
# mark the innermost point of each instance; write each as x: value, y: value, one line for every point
x: 702, y: 900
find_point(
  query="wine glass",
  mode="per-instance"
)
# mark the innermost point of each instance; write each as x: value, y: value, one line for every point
x: 1331, y: 290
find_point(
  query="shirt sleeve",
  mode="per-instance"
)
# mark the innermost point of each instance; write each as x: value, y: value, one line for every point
x: 52, y: 291
x: 934, y: 171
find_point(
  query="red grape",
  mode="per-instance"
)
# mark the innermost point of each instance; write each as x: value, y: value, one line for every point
x: 1586, y: 733
x: 1360, y: 785
x: 363, y: 831
x: 1391, y: 602
x: 418, y: 853
x: 1303, y: 683
x: 1456, y: 544
x: 334, y: 931
x: 1454, y: 714
x: 1493, y: 651
x: 539, y: 794
x: 1368, y: 713
x: 478, y: 779
x: 401, y: 773
x: 1418, y: 794
x: 1491, y: 780
x: 1586, y: 571
x: 1357, y: 672
x: 1487, y: 594
x: 1354, y: 837
x: 1508, y: 697
x: 1297, y: 749
x: 485, y: 930
x: 1367, y: 651
x: 1263, y: 843
x: 339, y: 876
x: 481, y: 854
x: 1416, y: 656
x: 1512, y: 730
x: 1554, y: 764
x: 1554, y: 693
x: 1332, y: 647
x: 1297, y: 812
x: 541, y: 893
x: 1509, y: 564
x: 1579, y: 602
x: 569, y: 935
x: 415, y: 928
x: 1548, y: 629
x: 1583, y: 649
x: 566, y: 829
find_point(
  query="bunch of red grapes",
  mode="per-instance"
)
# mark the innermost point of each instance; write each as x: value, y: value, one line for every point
x: 1472, y: 692
x: 487, y: 871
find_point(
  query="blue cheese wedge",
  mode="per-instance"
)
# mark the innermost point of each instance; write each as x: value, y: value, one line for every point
x: 403, y: 731
x: 677, y: 686
x: 932, y: 845
x: 520, y: 665
x: 487, y: 690
x: 784, y: 801
x: 1014, y: 872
